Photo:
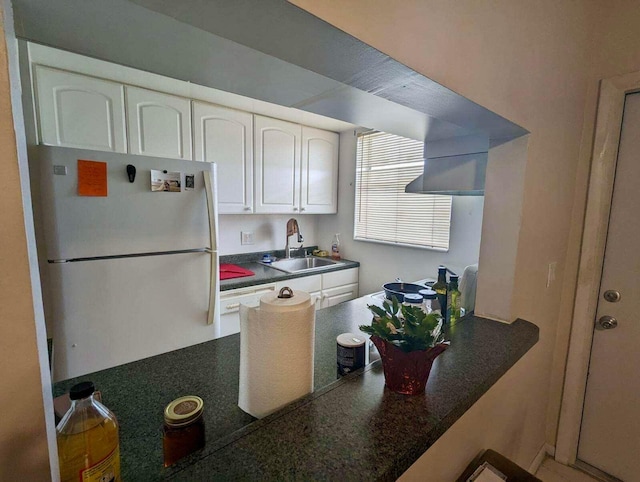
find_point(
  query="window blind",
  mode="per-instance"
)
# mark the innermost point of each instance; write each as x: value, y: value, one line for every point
x: 385, y: 164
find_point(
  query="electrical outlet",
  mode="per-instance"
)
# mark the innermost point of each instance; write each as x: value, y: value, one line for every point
x: 246, y: 237
x: 551, y: 274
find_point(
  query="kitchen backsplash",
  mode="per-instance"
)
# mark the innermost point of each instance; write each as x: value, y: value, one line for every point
x: 269, y: 232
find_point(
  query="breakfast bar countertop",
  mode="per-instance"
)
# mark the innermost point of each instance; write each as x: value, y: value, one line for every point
x: 349, y: 428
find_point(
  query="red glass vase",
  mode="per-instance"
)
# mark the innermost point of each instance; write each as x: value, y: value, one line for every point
x: 406, y: 372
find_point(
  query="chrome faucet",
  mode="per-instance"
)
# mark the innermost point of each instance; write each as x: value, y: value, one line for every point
x: 292, y: 228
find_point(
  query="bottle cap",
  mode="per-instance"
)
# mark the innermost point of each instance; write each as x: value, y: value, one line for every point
x: 413, y: 298
x: 428, y: 294
x: 454, y: 277
x: 81, y: 390
x: 183, y: 411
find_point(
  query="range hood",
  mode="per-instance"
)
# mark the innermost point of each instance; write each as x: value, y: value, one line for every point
x: 455, y: 167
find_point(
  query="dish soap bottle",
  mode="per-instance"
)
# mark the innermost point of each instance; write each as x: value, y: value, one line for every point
x: 453, y: 300
x: 335, y: 247
x: 88, y: 445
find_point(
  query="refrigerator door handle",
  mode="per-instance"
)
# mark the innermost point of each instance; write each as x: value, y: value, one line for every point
x: 212, y: 210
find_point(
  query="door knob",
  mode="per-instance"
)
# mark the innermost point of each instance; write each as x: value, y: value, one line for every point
x: 606, y: 323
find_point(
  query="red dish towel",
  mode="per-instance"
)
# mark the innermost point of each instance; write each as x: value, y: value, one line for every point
x: 229, y: 271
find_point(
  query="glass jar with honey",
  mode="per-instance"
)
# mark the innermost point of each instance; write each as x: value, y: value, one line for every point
x: 183, y: 430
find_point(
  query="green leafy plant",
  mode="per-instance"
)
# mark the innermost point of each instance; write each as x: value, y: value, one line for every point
x: 407, y: 327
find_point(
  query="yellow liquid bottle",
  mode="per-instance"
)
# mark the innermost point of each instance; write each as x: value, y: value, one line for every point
x: 88, y: 444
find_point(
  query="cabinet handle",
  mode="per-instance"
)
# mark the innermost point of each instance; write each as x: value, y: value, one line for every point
x: 247, y: 208
x: 295, y: 209
x: 302, y: 209
x: 232, y: 306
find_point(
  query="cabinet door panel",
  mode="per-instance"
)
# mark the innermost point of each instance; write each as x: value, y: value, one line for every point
x: 225, y: 136
x: 159, y: 124
x: 319, y: 186
x: 277, y: 153
x: 79, y: 111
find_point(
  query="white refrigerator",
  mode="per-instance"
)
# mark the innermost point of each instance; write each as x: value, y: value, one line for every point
x: 130, y: 275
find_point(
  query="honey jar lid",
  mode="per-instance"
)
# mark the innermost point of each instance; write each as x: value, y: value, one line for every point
x: 183, y: 411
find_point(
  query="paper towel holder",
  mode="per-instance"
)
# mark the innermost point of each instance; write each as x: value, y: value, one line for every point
x: 285, y: 292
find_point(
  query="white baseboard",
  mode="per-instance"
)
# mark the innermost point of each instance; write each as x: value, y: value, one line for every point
x: 551, y: 450
x: 545, y: 450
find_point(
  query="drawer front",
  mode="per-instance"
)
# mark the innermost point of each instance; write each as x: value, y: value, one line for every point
x: 339, y: 278
x: 308, y: 283
x: 230, y: 301
x: 340, y: 294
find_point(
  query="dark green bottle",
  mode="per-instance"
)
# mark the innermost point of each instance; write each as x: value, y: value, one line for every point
x: 453, y: 300
x: 440, y: 287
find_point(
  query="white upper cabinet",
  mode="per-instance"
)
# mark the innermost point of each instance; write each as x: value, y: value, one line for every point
x: 225, y: 136
x: 277, y: 165
x: 319, y: 172
x: 79, y: 111
x: 158, y: 124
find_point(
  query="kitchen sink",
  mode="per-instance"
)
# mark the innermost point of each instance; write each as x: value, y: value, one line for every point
x: 296, y: 265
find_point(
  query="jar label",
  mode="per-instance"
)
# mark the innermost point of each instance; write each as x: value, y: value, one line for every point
x: 107, y: 470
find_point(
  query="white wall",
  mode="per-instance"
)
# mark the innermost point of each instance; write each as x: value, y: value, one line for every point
x: 382, y: 263
x: 27, y: 427
x: 529, y: 62
x: 269, y: 231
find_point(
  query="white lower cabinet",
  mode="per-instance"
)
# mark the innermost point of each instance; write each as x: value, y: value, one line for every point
x: 310, y: 284
x: 326, y: 290
x: 339, y: 286
x: 336, y: 295
x: 230, y: 306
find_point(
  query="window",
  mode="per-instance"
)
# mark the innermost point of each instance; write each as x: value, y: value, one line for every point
x: 385, y: 164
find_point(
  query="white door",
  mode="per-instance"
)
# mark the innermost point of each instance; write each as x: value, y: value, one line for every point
x: 278, y: 151
x: 319, y: 171
x: 610, y: 431
x: 225, y: 136
x: 159, y: 124
x: 79, y: 111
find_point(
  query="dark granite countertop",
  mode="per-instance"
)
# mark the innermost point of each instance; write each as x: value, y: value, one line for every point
x: 352, y: 428
x: 266, y: 274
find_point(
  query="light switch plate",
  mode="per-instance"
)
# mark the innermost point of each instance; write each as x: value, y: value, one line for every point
x: 246, y: 237
x: 60, y: 170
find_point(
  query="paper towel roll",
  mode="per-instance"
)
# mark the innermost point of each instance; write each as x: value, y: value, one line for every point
x: 276, y: 352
